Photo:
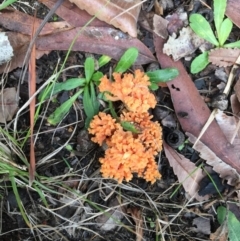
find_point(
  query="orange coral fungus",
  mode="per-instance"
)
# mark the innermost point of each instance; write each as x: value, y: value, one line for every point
x: 131, y: 89
x: 128, y: 152
x: 102, y: 126
x: 127, y: 155
x: 150, y: 132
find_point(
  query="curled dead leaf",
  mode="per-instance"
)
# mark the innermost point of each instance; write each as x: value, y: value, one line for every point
x: 188, y: 174
x: 8, y: 104
x: 74, y: 15
x: 223, y: 169
x: 122, y: 14
x: 98, y: 40
x: 223, y: 57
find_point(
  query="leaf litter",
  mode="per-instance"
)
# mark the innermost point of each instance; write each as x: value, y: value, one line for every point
x: 190, y: 109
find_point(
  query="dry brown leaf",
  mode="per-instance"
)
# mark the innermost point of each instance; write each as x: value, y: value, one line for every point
x: 160, y: 26
x: 235, y: 104
x: 19, y: 43
x: 223, y: 169
x: 21, y: 22
x: 202, y: 225
x: 122, y: 14
x: 223, y: 57
x: 237, y: 89
x: 8, y: 104
x: 228, y: 126
x: 188, y: 174
x: 100, y: 40
x: 74, y: 15
x: 192, y: 112
x: 187, y: 43
x: 110, y: 220
x: 137, y: 217
x: 221, y: 234
x: 233, y: 11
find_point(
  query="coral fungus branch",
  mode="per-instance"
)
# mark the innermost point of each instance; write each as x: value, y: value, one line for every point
x: 133, y: 149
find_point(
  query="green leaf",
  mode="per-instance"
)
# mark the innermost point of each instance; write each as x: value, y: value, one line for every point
x: 199, y: 63
x: 153, y: 86
x: 6, y: 4
x: 103, y: 60
x: 219, y: 8
x: 89, y: 68
x: 202, y: 28
x: 233, y: 45
x: 233, y: 223
x: 162, y: 75
x: 221, y: 214
x: 87, y: 103
x: 90, y: 104
x: 128, y: 126
x: 18, y: 199
x: 95, y: 102
x: 127, y: 60
x: 69, y: 84
x: 97, y: 76
x: 63, y: 109
x: 224, y: 31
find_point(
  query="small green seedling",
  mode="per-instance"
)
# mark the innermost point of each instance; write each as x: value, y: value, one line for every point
x: 87, y: 85
x: 6, y: 3
x: 203, y: 29
x: 232, y: 222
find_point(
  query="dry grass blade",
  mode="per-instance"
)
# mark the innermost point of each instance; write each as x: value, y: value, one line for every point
x: 32, y: 90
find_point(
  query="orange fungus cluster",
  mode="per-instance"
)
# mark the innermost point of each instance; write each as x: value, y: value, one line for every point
x: 128, y: 152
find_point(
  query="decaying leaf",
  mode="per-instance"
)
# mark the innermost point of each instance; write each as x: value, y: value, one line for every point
x: 100, y: 40
x: 237, y: 89
x: 193, y: 113
x: 202, y: 225
x: 8, y: 104
x: 188, y: 174
x: 235, y: 104
x: 74, y: 15
x: 176, y: 22
x: 160, y: 26
x: 221, y: 233
x: 122, y: 14
x: 186, y: 44
x: 224, y: 170
x: 20, y: 22
x: 223, y: 57
x: 233, y: 11
x: 108, y: 221
x: 228, y: 126
x: 19, y: 43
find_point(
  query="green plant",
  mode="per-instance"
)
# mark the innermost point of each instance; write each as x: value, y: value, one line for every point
x: 6, y: 3
x: 232, y: 222
x: 203, y: 29
x: 92, y: 78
